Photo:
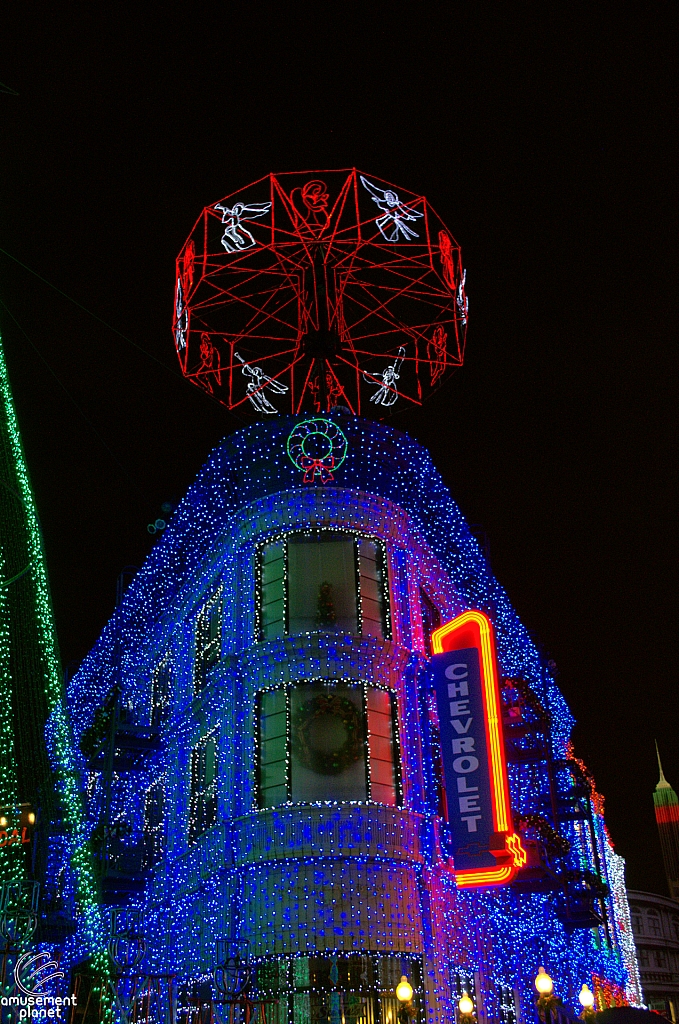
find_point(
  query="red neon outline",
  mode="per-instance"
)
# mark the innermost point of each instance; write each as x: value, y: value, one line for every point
x: 473, y: 628
x: 265, y: 296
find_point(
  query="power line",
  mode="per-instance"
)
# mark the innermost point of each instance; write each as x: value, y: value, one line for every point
x: 64, y: 388
x: 94, y: 315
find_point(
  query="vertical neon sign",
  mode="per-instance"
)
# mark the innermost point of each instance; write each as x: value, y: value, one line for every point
x: 488, y: 851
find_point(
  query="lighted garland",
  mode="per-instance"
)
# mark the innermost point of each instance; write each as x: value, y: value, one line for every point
x: 318, y: 759
x: 534, y: 826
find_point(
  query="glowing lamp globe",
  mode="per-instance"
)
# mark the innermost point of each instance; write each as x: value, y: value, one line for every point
x: 543, y: 982
x: 404, y: 990
x: 465, y: 1005
x: 586, y: 998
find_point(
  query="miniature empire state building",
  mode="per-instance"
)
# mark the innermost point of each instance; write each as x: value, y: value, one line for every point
x: 667, y: 818
x: 320, y: 750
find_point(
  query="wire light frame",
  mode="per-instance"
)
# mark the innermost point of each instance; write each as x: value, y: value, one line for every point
x: 308, y: 290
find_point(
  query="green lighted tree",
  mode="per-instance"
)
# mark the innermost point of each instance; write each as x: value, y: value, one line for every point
x: 31, y: 681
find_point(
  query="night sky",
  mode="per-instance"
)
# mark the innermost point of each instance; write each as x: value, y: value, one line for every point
x: 547, y: 141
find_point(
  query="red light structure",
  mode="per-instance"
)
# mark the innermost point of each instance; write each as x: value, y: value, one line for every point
x: 308, y: 290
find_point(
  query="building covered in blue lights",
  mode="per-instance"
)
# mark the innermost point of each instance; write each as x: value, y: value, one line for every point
x: 262, y: 763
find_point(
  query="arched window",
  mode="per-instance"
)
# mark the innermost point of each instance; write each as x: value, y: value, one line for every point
x: 325, y: 580
x: 653, y: 922
x: 208, y: 640
x: 203, y: 803
x: 154, y: 811
x: 161, y: 691
x: 431, y: 618
x: 327, y: 740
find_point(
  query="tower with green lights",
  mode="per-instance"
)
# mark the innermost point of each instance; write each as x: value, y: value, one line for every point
x: 667, y: 819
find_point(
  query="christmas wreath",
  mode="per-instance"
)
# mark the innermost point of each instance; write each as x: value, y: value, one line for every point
x: 320, y: 759
x: 318, y: 446
x: 326, y: 614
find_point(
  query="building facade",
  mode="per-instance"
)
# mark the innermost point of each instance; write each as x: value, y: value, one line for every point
x: 655, y: 922
x: 261, y: 751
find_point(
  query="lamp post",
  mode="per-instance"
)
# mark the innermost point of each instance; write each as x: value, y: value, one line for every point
x: 404, y: 994
x: 547, y: 1001
x: 465, y: 1010
x: 586, y: 1000
x: 543, y: 982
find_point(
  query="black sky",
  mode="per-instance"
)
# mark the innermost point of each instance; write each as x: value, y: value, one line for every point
x: 544, y: 135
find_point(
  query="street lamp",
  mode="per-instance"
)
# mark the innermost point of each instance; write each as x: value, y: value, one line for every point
x: 544, y: 983
x: 404, y: 990
x: 586, y: 998
x: 465, y: 1005
x: 547, y: 1001
x: 404, y: 994
x: 465, y: 1010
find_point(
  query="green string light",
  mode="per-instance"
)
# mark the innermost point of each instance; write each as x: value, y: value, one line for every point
x: 10, y: 863
x: 65, y: 768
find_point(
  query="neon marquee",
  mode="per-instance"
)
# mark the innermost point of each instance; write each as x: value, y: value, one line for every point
x: 488, y: 851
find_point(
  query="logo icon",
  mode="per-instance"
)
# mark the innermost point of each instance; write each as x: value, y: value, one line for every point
x: 30, y: 970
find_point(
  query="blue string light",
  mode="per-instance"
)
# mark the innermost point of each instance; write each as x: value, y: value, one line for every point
x: 326, y: 877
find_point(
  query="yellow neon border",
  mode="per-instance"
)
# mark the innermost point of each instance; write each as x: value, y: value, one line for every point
x: 502, y: 820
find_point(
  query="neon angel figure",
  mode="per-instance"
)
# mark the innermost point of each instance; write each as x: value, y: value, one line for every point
x: 462, y: 300
x: 255, y: 387
x: 388, y: 392
x: 394, y: 212
x: 210, y: 370
x: 236, y: 237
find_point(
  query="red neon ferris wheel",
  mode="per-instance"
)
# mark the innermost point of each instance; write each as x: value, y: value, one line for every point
x: 308, y: 290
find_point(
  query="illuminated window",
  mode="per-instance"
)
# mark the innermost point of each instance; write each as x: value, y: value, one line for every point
x: 461, y: 982
x: 438, y: 776
x: 506, y: 1004
x: 350, y: 987
x: 161, y: 692
x: 208, y: 640
x: 431, y: 618
x: 653, y: 921
x: 327, y: 741
x: 203, y: 803
x: 154, y: 811
x: 323, y: 580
